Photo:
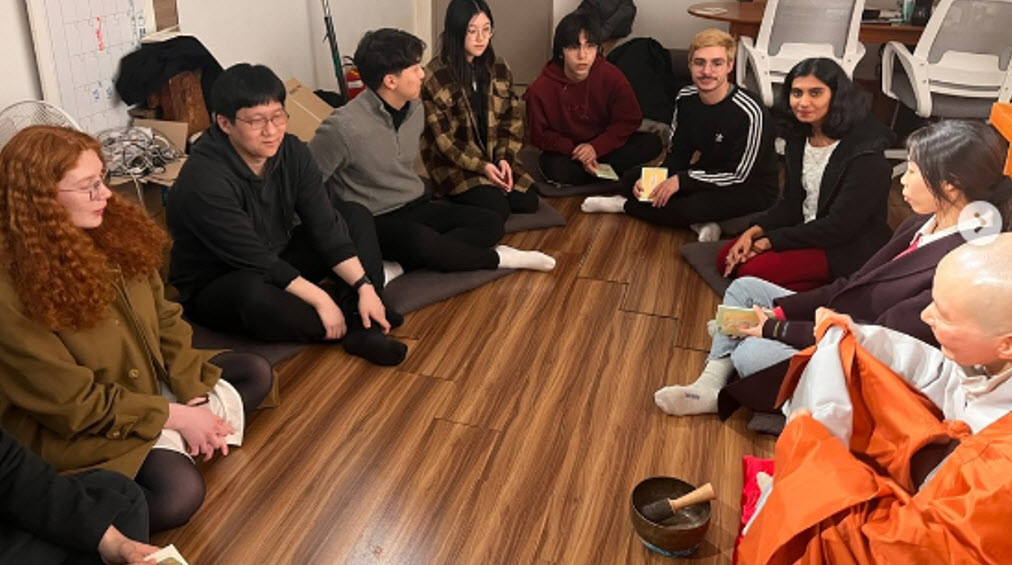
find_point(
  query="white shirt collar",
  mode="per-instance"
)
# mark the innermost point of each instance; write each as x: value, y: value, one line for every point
x: 927, y: 237
x: 987, y: 398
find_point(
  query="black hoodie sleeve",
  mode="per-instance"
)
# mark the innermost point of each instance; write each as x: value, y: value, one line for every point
x: 327, y: 228
x: 52, y: 507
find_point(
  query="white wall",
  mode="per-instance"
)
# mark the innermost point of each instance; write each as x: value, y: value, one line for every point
x: 667, y: 21
x: 17, y: 65
x: 290, y: 37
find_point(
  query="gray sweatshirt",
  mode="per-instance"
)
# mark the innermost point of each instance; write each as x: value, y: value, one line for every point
x: 364, y: 159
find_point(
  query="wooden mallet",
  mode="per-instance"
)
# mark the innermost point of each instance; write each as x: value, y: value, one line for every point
x: 662, y: 509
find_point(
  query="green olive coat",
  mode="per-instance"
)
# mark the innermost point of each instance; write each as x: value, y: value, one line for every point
x: 452, y: 151
x: 90, y: 398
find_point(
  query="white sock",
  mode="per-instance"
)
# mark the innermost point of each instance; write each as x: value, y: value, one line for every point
x: 710, y: 231
x: 510, y: 258
x: 606, y: 204
x: 391, y: 270
x: 701, y: 396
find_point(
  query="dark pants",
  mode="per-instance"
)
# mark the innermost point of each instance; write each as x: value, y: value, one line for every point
x: 172, y: 485
x: 641, y: 147
x: 698, y: 204
x: 20, y: 546
x: 441, y: 236
x: 502, y: 203
x: 241, y: 301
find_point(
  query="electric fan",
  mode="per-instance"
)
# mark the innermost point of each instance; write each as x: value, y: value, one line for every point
x: 20, y: 115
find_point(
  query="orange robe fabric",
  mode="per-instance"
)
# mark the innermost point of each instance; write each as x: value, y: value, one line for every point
x: 856, y: 504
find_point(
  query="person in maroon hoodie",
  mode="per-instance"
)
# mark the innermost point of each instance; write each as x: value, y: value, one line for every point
x: 581, y: 110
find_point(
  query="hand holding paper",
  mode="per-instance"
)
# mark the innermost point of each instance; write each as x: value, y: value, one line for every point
x: 605, y: 171
x: 731, y: 320
x: 649, y: 179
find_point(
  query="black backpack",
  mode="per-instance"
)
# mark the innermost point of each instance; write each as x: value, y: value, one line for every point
x: 615, y: 17
x: 647, y: 65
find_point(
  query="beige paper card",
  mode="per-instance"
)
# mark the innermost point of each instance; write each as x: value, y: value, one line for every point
x: 649, y: 179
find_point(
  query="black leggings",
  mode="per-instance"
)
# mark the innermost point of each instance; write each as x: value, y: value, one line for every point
x: 172, y: 484
x: 241, y: 301
x: 638, y: 149
x: 502, y: 203
x: 441, y: 236
x: 20, y: 546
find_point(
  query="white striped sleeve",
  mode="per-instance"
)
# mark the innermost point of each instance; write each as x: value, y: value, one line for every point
x: 685, y: 91
x: 753, y: 142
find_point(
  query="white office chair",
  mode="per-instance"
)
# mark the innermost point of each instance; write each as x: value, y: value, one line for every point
x: 960, y: 66
x: 793, y: 30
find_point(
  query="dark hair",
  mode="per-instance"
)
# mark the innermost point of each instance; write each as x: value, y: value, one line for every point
x: 969, y: 155
x: 451, y: 50
x: 244, y: 86
x: 567, y: 33
x: 848, y: 106
x: 386, y: 51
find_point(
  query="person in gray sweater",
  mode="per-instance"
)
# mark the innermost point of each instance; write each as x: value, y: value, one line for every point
x: 367, y: 150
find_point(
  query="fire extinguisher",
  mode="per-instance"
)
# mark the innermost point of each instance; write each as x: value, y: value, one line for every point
x: 354, y: 80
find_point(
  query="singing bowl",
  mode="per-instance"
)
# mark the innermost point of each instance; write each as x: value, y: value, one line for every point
x: 677, y: 536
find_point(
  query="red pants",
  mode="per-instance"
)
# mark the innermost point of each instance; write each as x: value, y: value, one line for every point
x: 798, y: 270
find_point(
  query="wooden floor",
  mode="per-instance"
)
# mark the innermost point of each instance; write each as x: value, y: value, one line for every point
x: 512, y: 434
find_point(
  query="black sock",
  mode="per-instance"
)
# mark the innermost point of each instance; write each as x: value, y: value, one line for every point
x: 371, y: 345
x: 395, y: 318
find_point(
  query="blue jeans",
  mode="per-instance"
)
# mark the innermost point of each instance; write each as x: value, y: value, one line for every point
x: 751, y: 354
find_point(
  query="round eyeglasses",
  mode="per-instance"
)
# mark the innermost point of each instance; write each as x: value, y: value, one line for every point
x: 259, y: 123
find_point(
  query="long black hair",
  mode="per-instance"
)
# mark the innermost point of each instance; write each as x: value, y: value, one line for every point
x: 969, y: 155
x: 848, y: 106
x: 451, y: 49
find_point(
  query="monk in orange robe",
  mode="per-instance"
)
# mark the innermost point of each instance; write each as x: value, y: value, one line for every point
x: 898, y: 453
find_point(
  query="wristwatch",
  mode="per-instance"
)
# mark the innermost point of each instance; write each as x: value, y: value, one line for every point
x: 364, y: 280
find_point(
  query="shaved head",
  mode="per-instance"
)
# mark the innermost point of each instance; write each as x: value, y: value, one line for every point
x: 976, y: 280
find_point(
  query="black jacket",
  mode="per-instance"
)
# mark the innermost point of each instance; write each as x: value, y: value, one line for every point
x: 853, y: 201
x: 886, y: 291
x: 224, y: 218
x: 146, y: 70
x: 61, y: 510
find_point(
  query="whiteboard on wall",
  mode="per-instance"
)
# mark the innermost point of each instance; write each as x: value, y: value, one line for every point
x: 78, y: 46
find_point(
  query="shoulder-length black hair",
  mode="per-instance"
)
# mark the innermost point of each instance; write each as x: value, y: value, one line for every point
x: 567, y: 33
x: 848, y: 106
x: 451, y: 48
x: 969, y: 155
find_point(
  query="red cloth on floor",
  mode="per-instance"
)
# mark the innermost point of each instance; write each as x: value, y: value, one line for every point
x: 750, y: 492
x: 798, y: 269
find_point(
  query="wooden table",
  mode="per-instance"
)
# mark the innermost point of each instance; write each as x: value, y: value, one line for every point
x: 743, y: 18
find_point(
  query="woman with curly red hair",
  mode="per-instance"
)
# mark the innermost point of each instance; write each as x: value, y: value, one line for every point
x: 96, y: 366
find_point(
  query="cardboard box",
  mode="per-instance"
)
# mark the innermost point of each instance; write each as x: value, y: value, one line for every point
x: 305, y: 110
x: 174, y: 131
